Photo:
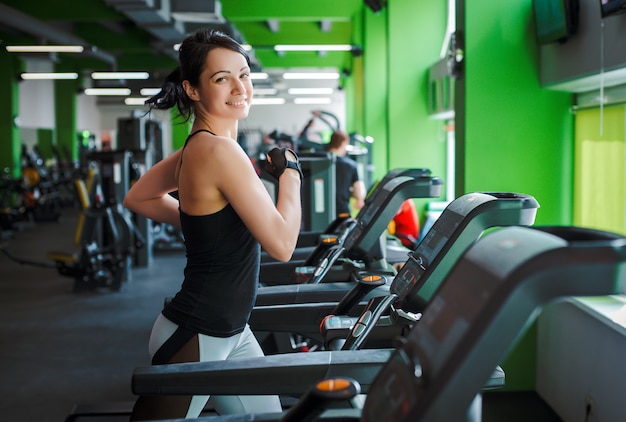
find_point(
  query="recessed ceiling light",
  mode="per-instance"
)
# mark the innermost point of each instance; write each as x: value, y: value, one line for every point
x: 321, y: 100
x: 45, y: 48
x: 107, y: 91
x: 48, y: 75
x: 149, y: 91
x: 120, y: 75
x: 313, y: 47
x: 268, y: 101
x: 135, y: 101
x: 258, y: 75
x: 265, y: 91
x: 310, y: 91
x: 311, y: 75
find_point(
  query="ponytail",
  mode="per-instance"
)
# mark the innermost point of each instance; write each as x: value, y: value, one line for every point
x: 172, y: 95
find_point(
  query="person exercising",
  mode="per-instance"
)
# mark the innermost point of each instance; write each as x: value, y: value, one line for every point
x: 348, y: 182
x: 225, y: 214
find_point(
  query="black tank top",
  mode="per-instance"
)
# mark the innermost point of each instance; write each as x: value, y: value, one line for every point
x: 221, y: 274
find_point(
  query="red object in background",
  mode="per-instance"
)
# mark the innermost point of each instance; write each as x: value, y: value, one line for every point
x: 407, y: 224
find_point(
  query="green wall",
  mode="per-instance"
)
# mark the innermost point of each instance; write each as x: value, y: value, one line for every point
x: 401, y: 43
x: 517, y: 136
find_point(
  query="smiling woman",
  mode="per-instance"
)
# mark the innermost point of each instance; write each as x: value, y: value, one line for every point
x: 225, y: 214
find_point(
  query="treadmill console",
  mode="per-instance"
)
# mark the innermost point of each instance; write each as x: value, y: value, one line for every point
x: 481, y: 308
x: 408, y: 281
x: 461, y: 223
x: 373, y: 221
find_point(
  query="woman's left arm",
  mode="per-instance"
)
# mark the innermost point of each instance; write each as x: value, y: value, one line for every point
x: 149, y: 196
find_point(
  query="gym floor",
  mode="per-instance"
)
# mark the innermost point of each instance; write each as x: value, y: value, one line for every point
x: 61, y: 348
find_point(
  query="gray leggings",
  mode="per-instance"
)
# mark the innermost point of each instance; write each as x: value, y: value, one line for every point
x: 243, y: 345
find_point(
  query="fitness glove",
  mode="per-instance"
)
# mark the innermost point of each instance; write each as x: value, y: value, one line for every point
x: 279, y: 163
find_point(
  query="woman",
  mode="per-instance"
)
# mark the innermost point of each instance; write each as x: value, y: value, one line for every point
x: 224, y: 212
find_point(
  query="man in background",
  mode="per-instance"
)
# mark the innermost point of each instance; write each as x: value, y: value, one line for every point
x: 349, y: 183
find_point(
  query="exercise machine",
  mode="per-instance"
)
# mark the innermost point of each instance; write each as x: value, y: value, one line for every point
x: 462, y: 222
x: 363, y: 239
x: 335, y: 325
x: 439, y: 369
x: 309, y: 241
x: 414, y: 281
x: 105, y: 238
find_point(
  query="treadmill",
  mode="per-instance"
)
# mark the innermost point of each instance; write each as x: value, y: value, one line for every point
x: 363, y: 236
x: 308, y: 241
x: 439, y: 369
x: 301, y: 308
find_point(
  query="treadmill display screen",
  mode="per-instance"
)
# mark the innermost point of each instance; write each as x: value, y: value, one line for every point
x: 373, y: 211
x: 428, y: 252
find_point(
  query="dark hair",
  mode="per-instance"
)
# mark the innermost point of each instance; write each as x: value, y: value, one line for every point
x: 192, y: 58
x: 337, y: 139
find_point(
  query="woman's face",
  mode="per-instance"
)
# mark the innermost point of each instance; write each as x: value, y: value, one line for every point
x: 225, y: 88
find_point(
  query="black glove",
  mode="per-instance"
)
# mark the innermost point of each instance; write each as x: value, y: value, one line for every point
x: 279, y: 163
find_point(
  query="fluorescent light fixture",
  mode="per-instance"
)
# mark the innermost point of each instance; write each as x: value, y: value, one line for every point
x: 134, y: 101
x: 149, y: 92
x: 311, y: 75
x: 310, y: 91
x: 45, y: 48
x: 268, y: 101
x: 258, y: 75
x: 107, y: 91
x: 120, y: 75
x: 48, y: 75
x: 246, y: 47
x: 265, y: 91
x: 313, y: 47
x: 321, y: 100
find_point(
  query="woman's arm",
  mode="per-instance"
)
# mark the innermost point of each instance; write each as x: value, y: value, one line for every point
x: 275, y: 226
x: 149, y: 195
x: 357, y: 191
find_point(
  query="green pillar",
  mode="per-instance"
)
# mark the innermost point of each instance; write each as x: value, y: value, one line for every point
x: 352, y: 83
x: 375, y: 87
x: 415, y: 38
x: 10, y: 147
x: 45, y: 140
x: 65, y: 92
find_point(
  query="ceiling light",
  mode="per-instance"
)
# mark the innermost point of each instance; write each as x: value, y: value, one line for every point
x: 265, y: 91
x: 120, y: 75
x: 135, y: 101
x: 311, y: 75
x: 246, y: 47
x: 313, y: 47
x: 44, y: 48
x: 322, y: 100
x: 48, y: 75
x: 149, y: 92
x: 107, y: 91
x: 268, y: 101
x: 258, y: 75
x: 310, y: 91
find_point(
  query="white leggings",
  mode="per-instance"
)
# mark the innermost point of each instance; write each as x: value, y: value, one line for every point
x: 242, y: 345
